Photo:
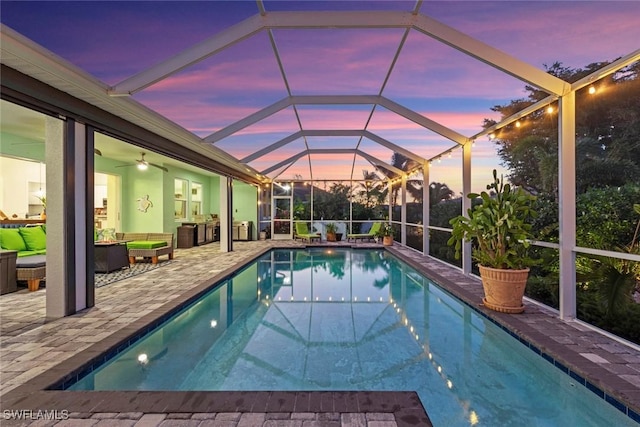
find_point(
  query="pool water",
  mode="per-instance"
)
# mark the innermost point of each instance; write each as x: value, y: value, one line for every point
x: 342, y: 319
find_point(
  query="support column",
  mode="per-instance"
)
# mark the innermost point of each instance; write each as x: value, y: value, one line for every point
x: 390, y: 212
x: 78, y: 187
x: 567, y: 204
x: 67, y: 213
x: 466, y: 203
x: 403, y: 211
x: 312, y: 214
x: 426, y: 200
x: 350, y: 226
x: 226, y: 213
x: 57, y: 304
x: 89, y: 216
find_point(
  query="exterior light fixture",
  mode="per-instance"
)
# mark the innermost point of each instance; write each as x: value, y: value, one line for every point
x: 549, y: 109
x: 492, y: 136
x: 518, y: 124
x: 473, y: 143
x: 592, y: 89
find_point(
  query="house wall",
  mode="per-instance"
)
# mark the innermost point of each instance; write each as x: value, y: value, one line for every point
x: 245, y: 197
x: 15, y: 174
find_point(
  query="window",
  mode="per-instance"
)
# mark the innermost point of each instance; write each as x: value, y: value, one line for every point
x: 196, y: 199
x: 180, y: 194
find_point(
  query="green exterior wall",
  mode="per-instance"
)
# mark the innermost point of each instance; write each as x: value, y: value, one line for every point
x: 245, y: 199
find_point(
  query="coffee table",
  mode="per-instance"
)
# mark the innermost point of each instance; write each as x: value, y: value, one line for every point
x: 110, y: 256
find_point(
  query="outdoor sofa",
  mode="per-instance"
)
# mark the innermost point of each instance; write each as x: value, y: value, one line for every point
x: 147, y: 245
x: 30, y: 244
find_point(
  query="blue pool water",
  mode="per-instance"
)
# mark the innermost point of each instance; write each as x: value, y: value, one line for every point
x: 341, y: 319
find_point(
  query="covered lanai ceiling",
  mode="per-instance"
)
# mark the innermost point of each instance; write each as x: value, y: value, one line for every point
x: 326, y: 92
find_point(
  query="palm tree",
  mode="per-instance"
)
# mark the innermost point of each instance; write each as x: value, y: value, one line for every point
x: 404, y: 163
x: 439, y: 192
x: 369, y: 195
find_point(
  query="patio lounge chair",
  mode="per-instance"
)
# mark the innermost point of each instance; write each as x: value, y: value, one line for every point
x: 302, y: 232
x: 375, y: 227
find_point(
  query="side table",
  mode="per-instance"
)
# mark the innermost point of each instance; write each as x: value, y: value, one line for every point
x: 110, y: 256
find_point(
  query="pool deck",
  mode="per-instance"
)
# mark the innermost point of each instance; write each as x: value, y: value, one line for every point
x: 35, y: 353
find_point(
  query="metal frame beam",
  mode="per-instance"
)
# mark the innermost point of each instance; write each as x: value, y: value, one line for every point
x: 372, y: 159
x: 343, y: 19
x: 330, y: 132
x: 423, y: 121
x: 338, y: 100
x: 190, y: 56
x: 266, y: 150
x: 248, y: 121
x: 491, y: 56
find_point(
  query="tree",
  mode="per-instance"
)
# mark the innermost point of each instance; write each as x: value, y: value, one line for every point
x: 332, y: 204
x: 439, y: 192
x: 607, y: 129
x: 406, y: 164
x: 368, y: 197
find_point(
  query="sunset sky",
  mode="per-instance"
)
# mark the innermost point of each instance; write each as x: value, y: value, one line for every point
x: 113, y: 40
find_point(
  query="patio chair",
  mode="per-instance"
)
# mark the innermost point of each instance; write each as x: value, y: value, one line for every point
x: 302, y: 232
x: 375, y: 227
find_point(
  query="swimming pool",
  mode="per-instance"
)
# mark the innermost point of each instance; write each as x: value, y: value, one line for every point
x: 340, y: 319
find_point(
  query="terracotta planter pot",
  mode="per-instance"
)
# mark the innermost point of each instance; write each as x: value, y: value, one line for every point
x: 387, y: 241
x: 503, y: 289
x: 331, y: 237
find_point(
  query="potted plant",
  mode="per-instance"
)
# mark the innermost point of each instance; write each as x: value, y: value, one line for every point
x: 43, y: 200
x: 386, y: 232
x: 331, y: 229
x: 499, y: 231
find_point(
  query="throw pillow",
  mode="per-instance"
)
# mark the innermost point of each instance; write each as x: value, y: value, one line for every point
x: 109, y: 234
x: 11, y: 239
x: 106, y: 234
x: 34, y: 238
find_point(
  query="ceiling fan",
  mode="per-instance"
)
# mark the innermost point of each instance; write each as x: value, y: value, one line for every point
x: 142, y: 164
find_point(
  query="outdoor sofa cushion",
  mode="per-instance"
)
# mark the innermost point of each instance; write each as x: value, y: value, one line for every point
x: 11, y: 239
x: 22, y: 254
x: 146, y: 244
x: 34, y: 238
x: 31, y: 261
x: 375, y: 227
x: 302, y: 231
x: 27, y: 241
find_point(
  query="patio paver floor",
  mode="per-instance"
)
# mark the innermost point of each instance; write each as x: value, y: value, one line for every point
x: 30, y: 346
